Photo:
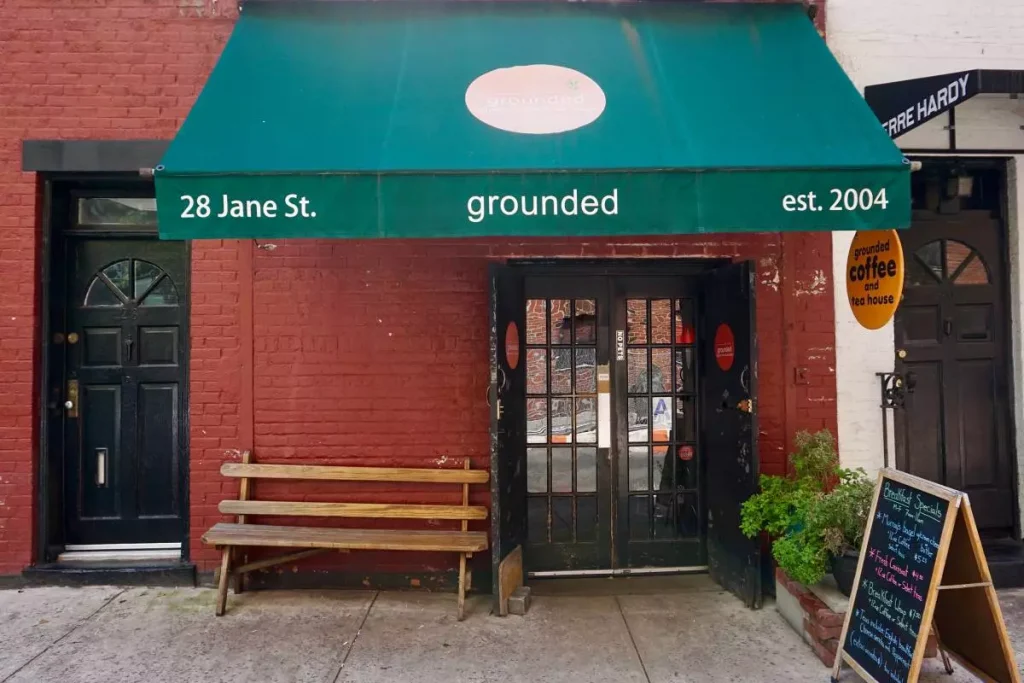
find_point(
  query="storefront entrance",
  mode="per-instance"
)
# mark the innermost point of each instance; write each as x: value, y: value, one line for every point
x: 625, y: 418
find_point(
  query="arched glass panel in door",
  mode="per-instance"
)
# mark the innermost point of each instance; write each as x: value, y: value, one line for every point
x: 946, y: 262
x: 131, y: 281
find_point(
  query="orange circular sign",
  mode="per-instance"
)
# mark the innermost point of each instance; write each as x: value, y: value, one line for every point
x: 874, y: 276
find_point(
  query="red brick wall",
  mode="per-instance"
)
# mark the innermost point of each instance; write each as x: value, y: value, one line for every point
x: 118, y: 69
x: 326, y: 350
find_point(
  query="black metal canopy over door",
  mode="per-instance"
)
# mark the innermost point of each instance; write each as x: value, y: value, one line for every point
x: 508, y: 422
x: 125, y: 353
x: 729, y: 392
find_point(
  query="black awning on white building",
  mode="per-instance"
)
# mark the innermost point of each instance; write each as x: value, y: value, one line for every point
x: 902, y: 106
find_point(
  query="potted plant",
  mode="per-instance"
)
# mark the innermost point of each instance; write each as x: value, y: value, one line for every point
x: 815, y: 516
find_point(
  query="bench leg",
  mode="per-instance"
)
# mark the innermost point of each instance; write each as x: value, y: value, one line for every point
x: 222, y: 584
x: 462, y: 586
x: 239, y: 577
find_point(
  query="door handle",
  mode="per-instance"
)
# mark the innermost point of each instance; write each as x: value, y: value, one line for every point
x: 71, y: 398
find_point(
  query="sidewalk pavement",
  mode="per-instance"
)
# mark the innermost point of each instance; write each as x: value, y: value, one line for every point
x: 696, y: 635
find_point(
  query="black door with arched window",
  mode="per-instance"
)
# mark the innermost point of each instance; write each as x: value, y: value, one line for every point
x: 950, y: 330
x: 125, y: 368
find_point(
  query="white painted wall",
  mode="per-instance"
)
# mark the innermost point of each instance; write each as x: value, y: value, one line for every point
x: 879, y: 41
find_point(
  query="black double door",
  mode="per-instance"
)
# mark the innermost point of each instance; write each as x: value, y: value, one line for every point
x: 123, y: 346
x: 619, y: 447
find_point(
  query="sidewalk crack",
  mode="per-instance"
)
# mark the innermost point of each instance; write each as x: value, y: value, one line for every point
x: 632, y: 640
x: 355, y: 637
x: 70, y: 631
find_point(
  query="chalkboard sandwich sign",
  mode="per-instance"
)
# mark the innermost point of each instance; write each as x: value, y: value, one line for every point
x: 922, y: 571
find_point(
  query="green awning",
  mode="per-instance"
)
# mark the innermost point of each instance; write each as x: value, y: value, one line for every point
x: 402, y: 119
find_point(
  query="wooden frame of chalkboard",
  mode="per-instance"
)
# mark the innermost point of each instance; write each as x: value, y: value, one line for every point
x: 926, y: 571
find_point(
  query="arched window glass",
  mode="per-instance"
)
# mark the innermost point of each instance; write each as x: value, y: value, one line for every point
x: 947, y: 262
x: 131, y: 281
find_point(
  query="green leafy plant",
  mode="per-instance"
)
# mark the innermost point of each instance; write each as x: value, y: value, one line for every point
x: 818, y: 511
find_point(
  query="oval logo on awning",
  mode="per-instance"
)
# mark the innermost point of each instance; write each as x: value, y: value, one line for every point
x: 537, y: 99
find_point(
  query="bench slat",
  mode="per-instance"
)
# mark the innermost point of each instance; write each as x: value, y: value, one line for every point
x: 365, y: 510
x: 340, y: 473
x: 226, y: 534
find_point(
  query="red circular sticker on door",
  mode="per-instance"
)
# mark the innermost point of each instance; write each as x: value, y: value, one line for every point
x: 725, y: 346
x: 512, y: 345
x: 685, y: 453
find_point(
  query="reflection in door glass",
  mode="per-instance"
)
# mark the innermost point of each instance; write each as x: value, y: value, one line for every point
x: 164, y: 294
x: 685, y: 333
x: 561, y: 321
x: 561, y: 470
x: 586, y: 370
x: 638, y: 418
x: 561, y: 358
x: 661, y: 321
x: 686, y: 419
x: 930, y: 255
x: 639, y: 518
x: 537, y: 519
x: 661, y: 418
x: 586, y: 420
x: 118, y: 275
x: 586, y: 321
x: 536, y: 321
x: 537, y: 470
x: 561, y: 371
x: 536, y: 371
x: 684, y: 370
x: 561, y: 519
x: 561, y: 420
x: 636, y: 320
x: 661, y: 370
x: 536, y: 420
x: 586, y: 470
x: 145, y: 274
x: 116, y: 212
x: 586, y: 519
x: 100, y: 294
x: 638, y: 472
x: 636, y: 373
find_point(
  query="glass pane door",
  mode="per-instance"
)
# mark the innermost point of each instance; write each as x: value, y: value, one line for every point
x: 658, y: 456
x: 568, y: 486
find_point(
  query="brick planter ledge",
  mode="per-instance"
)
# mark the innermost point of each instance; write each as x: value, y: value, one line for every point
x: 818, y: 622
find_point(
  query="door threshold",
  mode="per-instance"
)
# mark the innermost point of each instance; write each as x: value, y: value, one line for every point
x: 639, y: 571
x: 104, y: 557
x: 89, y: 547
x: 176, y: 573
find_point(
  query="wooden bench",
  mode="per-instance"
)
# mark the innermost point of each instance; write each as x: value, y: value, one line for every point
x: 231, y: 538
